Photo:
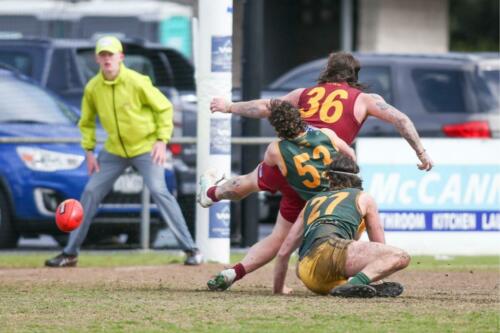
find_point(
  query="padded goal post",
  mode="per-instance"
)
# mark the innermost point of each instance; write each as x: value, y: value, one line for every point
x: 213, y: 62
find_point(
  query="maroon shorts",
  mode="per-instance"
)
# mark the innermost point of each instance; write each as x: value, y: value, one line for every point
x: 271, y: 179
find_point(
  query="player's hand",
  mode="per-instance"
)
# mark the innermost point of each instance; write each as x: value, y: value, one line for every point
x: 219, y: 104
x: 92, y: 165
x: 159, y: 153
x: 287, y: 291
x: 427, y: 163
x: 284, y: 291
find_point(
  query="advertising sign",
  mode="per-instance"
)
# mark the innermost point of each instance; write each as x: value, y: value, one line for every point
x: 460, y: 195
x: 220, y: 218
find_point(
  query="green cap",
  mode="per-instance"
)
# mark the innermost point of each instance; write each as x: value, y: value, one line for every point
x: 109, y: 44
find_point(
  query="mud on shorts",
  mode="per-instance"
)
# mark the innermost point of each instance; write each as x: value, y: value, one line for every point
x: 323, y: 267
x: 271, y: 179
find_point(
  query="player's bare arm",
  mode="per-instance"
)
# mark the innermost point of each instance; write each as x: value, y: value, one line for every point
x: 273, y: 157
x: 252, y: 109
x: 340, y: 144
x: 257, y: 108
x: 369, y: 209
x: 376, y: 106
x: 291, y: 243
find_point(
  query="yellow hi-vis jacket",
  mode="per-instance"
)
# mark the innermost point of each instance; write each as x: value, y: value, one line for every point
x: 131, y: 110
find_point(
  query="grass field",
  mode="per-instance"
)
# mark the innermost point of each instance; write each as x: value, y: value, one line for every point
x: 154, y: 292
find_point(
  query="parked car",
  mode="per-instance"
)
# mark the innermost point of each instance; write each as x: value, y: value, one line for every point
x: 65, y: 66
x: 35, y: 177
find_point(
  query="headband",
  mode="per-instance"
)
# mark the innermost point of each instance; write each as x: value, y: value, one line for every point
x: 345, y: 173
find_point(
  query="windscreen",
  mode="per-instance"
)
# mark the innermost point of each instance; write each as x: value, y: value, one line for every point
x: 23, y: 102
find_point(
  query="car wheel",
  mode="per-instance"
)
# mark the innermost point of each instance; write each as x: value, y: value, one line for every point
x: 8, y: 234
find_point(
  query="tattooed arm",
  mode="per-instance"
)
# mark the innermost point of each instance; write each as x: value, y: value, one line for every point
x: 376, y: 106
x: 257, y: 108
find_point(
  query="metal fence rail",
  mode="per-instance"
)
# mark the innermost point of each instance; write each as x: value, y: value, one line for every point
x: 181, y: 140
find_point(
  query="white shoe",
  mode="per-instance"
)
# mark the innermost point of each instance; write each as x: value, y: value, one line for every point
x: 207, y: 180
x: 222, y: 281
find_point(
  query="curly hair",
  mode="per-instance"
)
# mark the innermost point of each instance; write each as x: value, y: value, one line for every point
x: 286, y: 120
x: 342, y: 173
x: 342, y: 67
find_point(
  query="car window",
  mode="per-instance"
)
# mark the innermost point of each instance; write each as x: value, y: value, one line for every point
x: 137, y: 62
x: 492, y: 78
x: 377, y: 80
x: 19, y: 60
x: 182, y: 69
x: 488, y: 90
x: 299, y: 80
x: 22, y: 102
x: 441, y: 91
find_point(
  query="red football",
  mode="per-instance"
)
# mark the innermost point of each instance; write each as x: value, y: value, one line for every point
x: 69, y: 215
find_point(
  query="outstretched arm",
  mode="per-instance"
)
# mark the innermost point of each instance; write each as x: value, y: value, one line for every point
x: 291, y: 243
x: 377, y: 107
x: 257, y: 108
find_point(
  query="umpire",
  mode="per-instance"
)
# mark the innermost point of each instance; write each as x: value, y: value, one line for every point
x: 138, y: 120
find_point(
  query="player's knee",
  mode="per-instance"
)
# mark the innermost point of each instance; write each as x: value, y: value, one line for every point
x: 401, y: 259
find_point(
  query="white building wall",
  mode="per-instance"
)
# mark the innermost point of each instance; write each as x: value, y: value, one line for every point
x: 403, y: 26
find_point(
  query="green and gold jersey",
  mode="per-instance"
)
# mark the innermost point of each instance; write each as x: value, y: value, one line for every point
x: 306, y: 159
x: 334, y: 212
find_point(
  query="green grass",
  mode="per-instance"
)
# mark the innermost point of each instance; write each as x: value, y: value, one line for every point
x: 455, y: 263
x: 98, y: 259
x: 173, y: 299
x: 155, y: 258
x: 137, y: 309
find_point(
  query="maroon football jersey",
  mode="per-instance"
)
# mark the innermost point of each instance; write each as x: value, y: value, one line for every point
x: 331, y: 105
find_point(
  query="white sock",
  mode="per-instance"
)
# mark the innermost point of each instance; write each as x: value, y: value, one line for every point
x: 229, y: 274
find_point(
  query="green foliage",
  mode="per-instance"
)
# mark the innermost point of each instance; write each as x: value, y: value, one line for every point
x: 474, y: 25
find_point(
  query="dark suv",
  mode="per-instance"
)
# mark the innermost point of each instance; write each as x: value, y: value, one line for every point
x: 64, y: 66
